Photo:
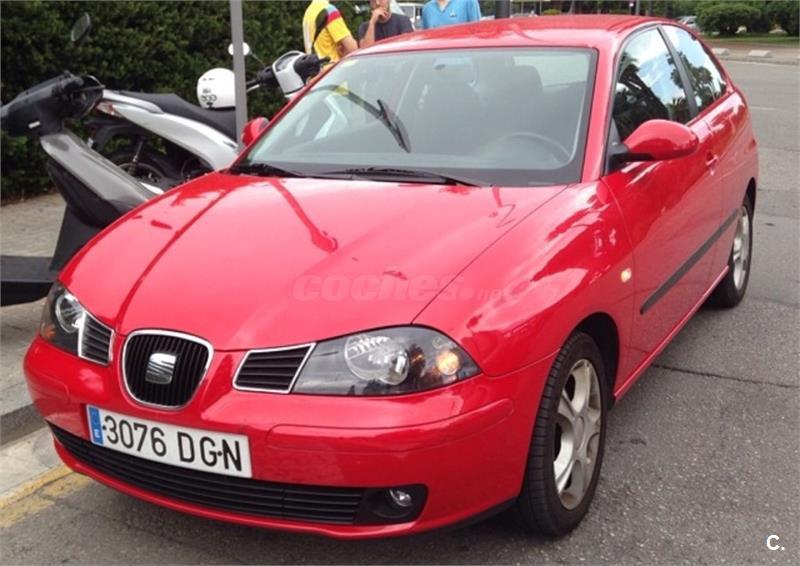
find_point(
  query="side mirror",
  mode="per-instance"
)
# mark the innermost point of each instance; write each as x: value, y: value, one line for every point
x: 252, y: 130
x: 245, y: 49
x: 80, y: 29
x: 657, y: 140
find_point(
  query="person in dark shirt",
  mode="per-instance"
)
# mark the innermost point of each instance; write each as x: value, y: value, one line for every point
x: 383, y: 23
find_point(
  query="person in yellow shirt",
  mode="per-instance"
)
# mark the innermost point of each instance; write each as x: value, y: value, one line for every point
x: 325, y: 31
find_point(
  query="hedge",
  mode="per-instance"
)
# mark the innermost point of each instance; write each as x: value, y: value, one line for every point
x: 727, y: 17
x: 785, y: 14
x: 134, y: 45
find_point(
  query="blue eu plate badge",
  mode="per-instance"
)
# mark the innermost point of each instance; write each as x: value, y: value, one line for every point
x: 95, y: 426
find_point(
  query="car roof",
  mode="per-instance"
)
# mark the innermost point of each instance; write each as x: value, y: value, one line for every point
x: 596, y: 31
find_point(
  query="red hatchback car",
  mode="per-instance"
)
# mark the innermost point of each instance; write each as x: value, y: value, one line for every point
x: 414, y: 298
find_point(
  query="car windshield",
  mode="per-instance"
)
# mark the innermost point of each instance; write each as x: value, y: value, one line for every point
x: 482, y: 117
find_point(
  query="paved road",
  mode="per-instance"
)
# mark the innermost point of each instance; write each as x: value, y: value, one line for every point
x: 703, y: 454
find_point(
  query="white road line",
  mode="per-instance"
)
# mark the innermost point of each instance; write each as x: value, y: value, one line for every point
x: 765, y: 108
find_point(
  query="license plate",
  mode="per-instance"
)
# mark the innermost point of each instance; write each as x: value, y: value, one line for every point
x: 215, y: 452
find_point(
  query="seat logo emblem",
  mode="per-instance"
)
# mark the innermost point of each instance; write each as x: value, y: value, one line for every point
x: 160, y: 368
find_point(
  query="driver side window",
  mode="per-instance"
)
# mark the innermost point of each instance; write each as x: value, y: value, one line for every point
x: 648, y: 86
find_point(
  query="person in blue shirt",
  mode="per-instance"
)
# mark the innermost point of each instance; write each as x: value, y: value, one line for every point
x: 438, y: 13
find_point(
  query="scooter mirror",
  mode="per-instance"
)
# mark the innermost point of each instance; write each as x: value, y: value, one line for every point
x: 80, y: 29
x: 245, y: 48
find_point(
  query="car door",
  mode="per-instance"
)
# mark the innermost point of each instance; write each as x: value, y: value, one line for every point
x: 724, y: 111
x: 671, y: 208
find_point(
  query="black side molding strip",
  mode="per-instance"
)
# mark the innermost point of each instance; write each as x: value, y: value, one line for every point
x: 687, y: 265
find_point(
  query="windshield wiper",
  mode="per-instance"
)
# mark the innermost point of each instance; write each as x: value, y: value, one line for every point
x: 379, y: 111
x: 394, y: 125
x: 396, y: 173
x: 263, y: 169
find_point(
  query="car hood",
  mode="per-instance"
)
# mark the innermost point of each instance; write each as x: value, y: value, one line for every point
x: 247, y: 262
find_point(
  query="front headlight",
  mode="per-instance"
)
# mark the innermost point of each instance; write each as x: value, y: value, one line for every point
x: 391, y: 361
x: 62, y: 318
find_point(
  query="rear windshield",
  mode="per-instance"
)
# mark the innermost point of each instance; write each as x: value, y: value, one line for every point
x: 491, y: 116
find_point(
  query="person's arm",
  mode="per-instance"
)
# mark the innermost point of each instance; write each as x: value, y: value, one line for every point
x: 473, y: 11
x: 347, y: 45
x: 341, y: 34
x: 425, y: 24
x: 362, y: 33
x: 369, y: 36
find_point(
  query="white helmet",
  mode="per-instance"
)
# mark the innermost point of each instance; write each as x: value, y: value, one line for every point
x: 216, y: 89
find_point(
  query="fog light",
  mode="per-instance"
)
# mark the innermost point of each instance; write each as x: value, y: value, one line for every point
x: 387, y: 505
x: 401, y: 498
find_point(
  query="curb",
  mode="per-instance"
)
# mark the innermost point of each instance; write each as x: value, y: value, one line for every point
x: 768, y: 61
x: 760, y: 53
x: 18, y: 423
x: 29, y: 487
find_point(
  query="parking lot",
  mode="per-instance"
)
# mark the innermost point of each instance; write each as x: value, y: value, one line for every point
x: 703, y: 454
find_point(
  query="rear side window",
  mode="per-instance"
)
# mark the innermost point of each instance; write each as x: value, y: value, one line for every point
x: 706, y: 78
x: 648, y: 86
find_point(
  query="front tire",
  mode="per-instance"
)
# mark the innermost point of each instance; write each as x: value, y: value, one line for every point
x: 151, y: 167
x: 566, y: 451
x: 730, y: 291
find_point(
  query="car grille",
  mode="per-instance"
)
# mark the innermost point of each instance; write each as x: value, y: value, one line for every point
x: 271, y: 370
x: 239, y: 495
x: 95, y: 341
x: 192, y: 357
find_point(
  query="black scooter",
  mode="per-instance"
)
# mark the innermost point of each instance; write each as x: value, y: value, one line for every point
x: 95, y: 190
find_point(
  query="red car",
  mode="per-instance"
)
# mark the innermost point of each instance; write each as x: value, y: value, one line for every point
x: 415, y: 297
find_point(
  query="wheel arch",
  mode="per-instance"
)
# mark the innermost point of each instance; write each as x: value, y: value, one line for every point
x: 751, y: 192
x: 603, y: 330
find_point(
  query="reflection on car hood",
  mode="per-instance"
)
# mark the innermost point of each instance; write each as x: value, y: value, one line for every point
x: 250, y: 262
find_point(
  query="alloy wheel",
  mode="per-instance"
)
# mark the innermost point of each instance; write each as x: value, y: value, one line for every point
x: 577, y: 435
x: 741, y: 249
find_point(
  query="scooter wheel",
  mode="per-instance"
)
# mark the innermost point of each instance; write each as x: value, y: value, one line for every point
x: 151, y: 168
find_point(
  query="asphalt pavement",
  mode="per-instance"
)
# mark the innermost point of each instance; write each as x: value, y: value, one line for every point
x: 27, y: 228
x: 703, y: 454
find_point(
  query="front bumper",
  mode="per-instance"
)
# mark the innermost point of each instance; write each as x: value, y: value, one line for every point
x: 466, y: 443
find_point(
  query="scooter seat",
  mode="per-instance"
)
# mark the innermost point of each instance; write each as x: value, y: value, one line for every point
x: 221, y: 120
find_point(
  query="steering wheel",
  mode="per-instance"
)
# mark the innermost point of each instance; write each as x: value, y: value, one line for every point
x: 552, y: 146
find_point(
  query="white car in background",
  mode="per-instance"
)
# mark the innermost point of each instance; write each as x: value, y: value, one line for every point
x: 411, y: 9
x: 690, y: 22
